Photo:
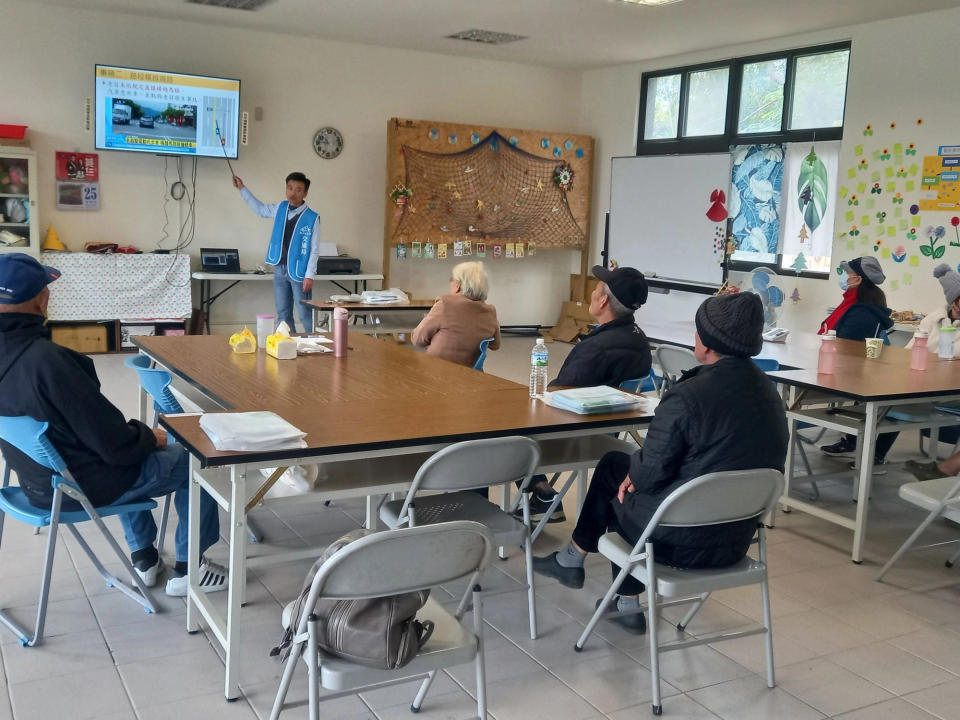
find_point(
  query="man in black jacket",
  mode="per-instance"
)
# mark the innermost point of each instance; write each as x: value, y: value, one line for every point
x: 614, y: 351
x: 722, y: 415
x: 112, y: 459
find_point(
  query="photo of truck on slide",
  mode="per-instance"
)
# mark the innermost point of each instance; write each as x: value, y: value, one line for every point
x: 121, y: 114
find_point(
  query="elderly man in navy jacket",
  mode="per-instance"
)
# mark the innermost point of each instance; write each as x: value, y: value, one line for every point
x: 725, y: 414
x: 614, y: 351
x: 114, y: 460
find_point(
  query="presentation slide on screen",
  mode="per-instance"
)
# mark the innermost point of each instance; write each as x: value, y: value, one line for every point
x: 160, y: 112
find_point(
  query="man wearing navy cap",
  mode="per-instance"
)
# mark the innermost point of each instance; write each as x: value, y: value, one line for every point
x: 112, y: 459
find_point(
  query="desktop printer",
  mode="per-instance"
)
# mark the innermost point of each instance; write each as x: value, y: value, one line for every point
x: 338, y: 265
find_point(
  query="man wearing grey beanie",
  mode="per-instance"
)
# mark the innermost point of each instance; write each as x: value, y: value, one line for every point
x: 943, y: 315
x: 724, y: 414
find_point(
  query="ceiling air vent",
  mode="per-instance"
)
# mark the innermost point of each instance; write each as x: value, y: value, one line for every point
x: 231, y: 4
x: 488, y: 37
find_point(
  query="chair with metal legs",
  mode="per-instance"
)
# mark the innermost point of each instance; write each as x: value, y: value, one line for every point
x: 454, y: 472
x: 711, y: 499
x: 29, y: 437
x: 390, y: 563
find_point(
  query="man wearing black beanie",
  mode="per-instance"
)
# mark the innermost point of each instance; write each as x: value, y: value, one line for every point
x: 724, y: 414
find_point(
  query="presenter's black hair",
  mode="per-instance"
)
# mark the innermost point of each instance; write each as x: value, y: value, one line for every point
x: 299, y: 177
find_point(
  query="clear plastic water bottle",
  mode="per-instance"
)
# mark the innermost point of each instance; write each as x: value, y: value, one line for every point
x: 538, y: 369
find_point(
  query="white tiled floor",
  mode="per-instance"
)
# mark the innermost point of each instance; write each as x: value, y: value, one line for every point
x: 846, y: 646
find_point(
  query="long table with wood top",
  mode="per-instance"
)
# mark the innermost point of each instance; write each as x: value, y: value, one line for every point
x: 370, y: 313
x: 875, y: 385
x: 798, y: 351
x: 382, y: 403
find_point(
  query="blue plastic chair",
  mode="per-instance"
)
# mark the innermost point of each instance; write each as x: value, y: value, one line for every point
x: 29, y: 436
x: 156, y: 383
x: 478, y: 365
x: 652, y: 382
x: 766, y: 364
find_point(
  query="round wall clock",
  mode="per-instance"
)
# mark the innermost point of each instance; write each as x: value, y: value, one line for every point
x: 328, y: 142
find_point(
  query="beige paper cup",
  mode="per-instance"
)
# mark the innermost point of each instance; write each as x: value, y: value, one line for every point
x: 873, y: 347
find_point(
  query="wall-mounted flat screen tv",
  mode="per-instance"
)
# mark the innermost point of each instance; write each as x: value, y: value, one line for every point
x: 166, y: 113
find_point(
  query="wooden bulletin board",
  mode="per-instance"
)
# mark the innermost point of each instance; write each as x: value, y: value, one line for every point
x: 449, y: 182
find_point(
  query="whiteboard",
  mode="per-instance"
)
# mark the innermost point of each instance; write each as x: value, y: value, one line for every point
x: 658, y: 221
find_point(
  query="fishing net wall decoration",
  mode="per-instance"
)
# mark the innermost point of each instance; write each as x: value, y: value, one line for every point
x: 491, y: 190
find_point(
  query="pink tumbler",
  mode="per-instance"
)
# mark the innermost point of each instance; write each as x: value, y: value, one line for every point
x: 828, y: 354
x: 340, y: 332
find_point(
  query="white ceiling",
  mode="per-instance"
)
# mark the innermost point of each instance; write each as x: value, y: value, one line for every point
x: 574, y: 34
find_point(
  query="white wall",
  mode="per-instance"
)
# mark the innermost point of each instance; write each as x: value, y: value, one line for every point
x: 897, y: 74
x: 301, y: 84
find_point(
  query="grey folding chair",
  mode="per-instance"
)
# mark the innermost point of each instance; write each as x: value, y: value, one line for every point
x: 390, y: 563
x: 673, y: 361
x: 942, y: 498
x: 707, y: 500
x: 456, y: 469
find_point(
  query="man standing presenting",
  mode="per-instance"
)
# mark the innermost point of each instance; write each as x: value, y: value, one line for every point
x: 294, y: 247
x: 722, y: 415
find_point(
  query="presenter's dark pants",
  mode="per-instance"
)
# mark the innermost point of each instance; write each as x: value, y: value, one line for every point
x: 597, y: 517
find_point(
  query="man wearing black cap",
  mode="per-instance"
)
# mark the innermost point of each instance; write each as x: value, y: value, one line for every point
x: 112, y: 459
x: 614, y: 351
x: 724, y: 414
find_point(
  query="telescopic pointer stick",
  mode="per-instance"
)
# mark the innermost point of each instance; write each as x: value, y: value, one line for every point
x: 223, y: 146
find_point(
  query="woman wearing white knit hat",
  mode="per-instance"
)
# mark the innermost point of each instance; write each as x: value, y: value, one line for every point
x: 943, y: 315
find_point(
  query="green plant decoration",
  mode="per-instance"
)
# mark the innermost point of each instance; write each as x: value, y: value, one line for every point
x: 812, y: 190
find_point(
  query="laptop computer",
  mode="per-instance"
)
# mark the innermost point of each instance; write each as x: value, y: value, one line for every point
x: 220, y: 260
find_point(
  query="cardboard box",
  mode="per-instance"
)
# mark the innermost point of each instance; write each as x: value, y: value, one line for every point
x: 576, y: 288
x: 82, y: 338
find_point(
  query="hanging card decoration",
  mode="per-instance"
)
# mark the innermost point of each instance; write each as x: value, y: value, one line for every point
x: 717, y: 211
x: 812, y: 190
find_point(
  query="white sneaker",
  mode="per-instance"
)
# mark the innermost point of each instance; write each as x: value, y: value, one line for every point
x: 213, y: 578
x: 149, y: 576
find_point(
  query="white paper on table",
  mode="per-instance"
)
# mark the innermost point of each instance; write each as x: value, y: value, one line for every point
x: 259, y: 430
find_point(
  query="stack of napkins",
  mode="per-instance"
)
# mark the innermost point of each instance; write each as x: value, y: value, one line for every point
x: 313, y: 344
x: 385, y: 297
x: 243, y: 431
x: 590, y: 400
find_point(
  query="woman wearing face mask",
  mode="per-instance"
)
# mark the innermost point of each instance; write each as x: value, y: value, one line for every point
x: 862, y: 314
x: 943, y: 315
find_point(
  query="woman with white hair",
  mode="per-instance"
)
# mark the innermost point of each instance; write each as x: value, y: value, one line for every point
x: 457, y: 322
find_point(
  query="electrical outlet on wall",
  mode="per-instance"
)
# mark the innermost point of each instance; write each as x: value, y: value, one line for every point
x: 244, y: 126
x: 87, y: 114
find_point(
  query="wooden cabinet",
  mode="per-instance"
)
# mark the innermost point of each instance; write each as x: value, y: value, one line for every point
x: 19, y: 220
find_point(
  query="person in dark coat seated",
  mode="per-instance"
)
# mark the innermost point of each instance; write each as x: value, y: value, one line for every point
x: 614, y: 351
x: 112, y: 459
x: 866, y: 317
x: 722, y: 415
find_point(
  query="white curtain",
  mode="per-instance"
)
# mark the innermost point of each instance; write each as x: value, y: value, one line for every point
x: 820, y: 241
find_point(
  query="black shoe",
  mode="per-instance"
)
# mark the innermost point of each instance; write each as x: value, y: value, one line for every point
x: 549, y: 566
x: 845, y: 447
x: 924, y: 471
x: 631, y: 622
x: 538, y: 508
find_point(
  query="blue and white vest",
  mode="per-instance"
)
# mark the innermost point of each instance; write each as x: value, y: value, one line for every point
x: 298, y: 255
